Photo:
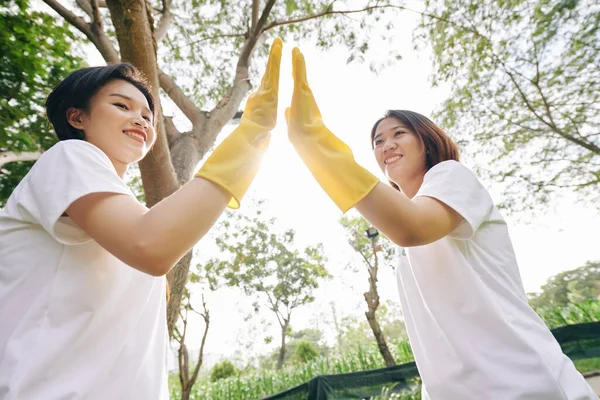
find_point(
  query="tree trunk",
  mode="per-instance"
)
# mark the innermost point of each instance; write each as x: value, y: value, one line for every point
x: 372, y: 299
x: 177, y: 278
x: 185, y: 394
x: 380, y: 339
x: 281, y: 357
x: 132, y: 19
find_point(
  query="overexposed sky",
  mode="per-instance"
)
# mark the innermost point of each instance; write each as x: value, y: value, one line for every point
x: 351, y: 99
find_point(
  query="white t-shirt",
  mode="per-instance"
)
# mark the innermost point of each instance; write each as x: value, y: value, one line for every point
x: 472, y: 331
x: 75, y: 322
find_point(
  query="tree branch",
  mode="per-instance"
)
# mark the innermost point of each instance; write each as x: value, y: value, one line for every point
x: 7, y: 157
x: 165, y: 21
x: 206, y: 317
x: 171, y: 130
x: 205, y: 38
x: 85, y: 6
x: 196, y: 116
x: 328, y: 11
x: 227, y: 107
x: 96, y: 36
x: 255, y: 9
x: 274, y: 307
x: 552, y: 125
x: 183, y: 353
x: 96, y: 18
x: 73, y: 19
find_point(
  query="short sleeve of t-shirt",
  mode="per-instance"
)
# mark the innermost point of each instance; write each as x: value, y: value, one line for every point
x: 68, y: 171
x: 457, y: 186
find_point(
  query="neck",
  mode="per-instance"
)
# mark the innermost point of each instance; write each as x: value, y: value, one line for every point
x: 120, y: 168
x: 411, y: 185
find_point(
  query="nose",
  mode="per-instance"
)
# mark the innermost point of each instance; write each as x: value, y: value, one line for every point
x: 389, y: 145
x: 141, y: 122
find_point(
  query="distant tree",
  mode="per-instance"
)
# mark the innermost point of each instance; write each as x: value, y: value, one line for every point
x: 371, y: 251
x: 574, y: 286
x: 357, y: 332
x: 188, y: 372
x: 266, y: 267
x: 312, y: 337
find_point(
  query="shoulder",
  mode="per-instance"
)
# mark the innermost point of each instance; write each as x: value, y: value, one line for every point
x: 72, y: 157
x: 451, y: 173
x: 75, y: 149
x: 449, y: 167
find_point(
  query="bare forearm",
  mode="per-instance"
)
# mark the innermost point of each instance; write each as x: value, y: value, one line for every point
x: 408, y: 222
x: 172, y: 227
x: 391, y: 212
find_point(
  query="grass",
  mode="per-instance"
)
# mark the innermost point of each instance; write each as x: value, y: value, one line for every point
x: 570, y: 314
x: 587, y: 365
x: 256, y: 386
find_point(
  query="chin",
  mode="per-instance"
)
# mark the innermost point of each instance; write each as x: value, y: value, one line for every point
x: 131, y: 158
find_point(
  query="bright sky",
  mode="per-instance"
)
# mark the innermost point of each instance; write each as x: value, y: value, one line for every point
x: 351, y: 98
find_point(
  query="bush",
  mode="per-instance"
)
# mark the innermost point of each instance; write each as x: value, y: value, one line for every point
x: 305, y: 352
x: 222, y: 370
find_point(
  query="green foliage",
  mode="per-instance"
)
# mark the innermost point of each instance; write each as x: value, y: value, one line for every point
x: 313, y: 337
x: 35, y: 54
x: 201, y: 49
x: 525, y: 99
x: 222, y: 370
x: 356, y: 227
x: 265, y: 265
x: 262, y: 262
x: 574, y: 286
x: 556, y: 316
x: 355, y: 331
x: 305, y: 351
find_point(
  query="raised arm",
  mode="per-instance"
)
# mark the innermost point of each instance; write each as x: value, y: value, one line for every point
x: 406, y: 222
x: 153, y: 240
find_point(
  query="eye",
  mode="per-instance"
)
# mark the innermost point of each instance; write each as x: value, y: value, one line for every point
x: 398, y: 133
x: 378, y: 142
x: 122, y: 106
x: 147, y: 119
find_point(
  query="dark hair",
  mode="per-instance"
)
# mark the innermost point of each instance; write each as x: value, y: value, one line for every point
x: 80, y: 86
x: 438, y: 145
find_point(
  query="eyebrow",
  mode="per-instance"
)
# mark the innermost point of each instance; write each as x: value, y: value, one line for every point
x: 391, y: 129
x: 129, y: 98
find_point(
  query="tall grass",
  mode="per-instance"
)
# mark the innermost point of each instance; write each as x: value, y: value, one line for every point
x: 256, y: 386
x: 570, y: 314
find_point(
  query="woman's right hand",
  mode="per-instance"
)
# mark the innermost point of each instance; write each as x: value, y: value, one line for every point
x: 234, y: 164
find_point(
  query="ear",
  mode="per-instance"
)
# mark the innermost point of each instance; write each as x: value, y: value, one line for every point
x: 75, y: 118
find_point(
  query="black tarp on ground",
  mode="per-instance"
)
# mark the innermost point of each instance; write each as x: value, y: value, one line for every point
x: 577, y: 341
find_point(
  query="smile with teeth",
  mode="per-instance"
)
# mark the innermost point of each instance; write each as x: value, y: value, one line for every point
x: 392, y: 160
x: 136, y: 136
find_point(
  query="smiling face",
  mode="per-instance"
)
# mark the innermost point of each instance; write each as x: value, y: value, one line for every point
x: 399, y: 151
x: 118, y: 121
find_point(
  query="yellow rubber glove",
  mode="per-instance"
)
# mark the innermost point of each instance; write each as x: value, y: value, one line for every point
x: 235, y: 162
x: 329, y: 159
